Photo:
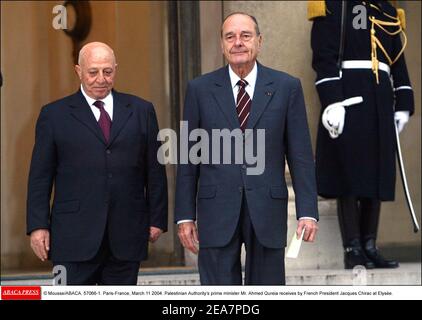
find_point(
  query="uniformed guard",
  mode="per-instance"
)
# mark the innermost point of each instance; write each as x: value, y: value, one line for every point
x: 364, y: 88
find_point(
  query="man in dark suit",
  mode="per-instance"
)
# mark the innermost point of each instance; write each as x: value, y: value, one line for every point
x: 98, y: 147
x: 231, y: 206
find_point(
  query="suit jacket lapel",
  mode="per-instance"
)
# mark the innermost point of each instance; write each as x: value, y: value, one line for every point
x: 223, y: 94
x: 121, y: 114
x: 262, y: 96
x: 82, y: 112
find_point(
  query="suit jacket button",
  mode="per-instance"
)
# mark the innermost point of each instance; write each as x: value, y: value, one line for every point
x: 240, y: 189
x: 110, y: 175
x: 108, y: 151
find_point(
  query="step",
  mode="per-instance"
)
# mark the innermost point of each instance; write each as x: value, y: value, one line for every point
x: 406, y: 274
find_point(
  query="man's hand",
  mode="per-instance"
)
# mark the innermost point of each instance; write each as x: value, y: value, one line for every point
x: 154, y: 234
x: 40, y: 243
x: 311, y: 229
x: 188, y: 235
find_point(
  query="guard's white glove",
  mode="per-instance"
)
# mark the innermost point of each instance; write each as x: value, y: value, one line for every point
x: 333, y: 116
x: 333, y: 119
x: 401, y: 118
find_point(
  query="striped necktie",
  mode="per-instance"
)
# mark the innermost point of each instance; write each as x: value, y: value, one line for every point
x: 243, y: 104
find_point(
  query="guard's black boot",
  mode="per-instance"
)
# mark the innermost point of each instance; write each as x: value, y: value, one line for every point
x: 354, y: 256
x: 379, y: 261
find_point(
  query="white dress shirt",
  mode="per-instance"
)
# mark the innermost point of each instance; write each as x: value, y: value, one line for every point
x: 250, y: 79
x: 108, y: 104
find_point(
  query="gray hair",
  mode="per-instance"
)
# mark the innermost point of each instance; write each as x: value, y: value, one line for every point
x: 244, y: 14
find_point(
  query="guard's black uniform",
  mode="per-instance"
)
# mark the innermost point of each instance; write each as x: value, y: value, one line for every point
x: 358, y: 167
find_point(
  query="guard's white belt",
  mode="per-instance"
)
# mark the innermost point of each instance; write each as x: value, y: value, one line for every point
x: 364, y: 64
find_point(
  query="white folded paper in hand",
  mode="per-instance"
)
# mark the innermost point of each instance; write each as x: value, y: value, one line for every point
x: 294, y: 247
